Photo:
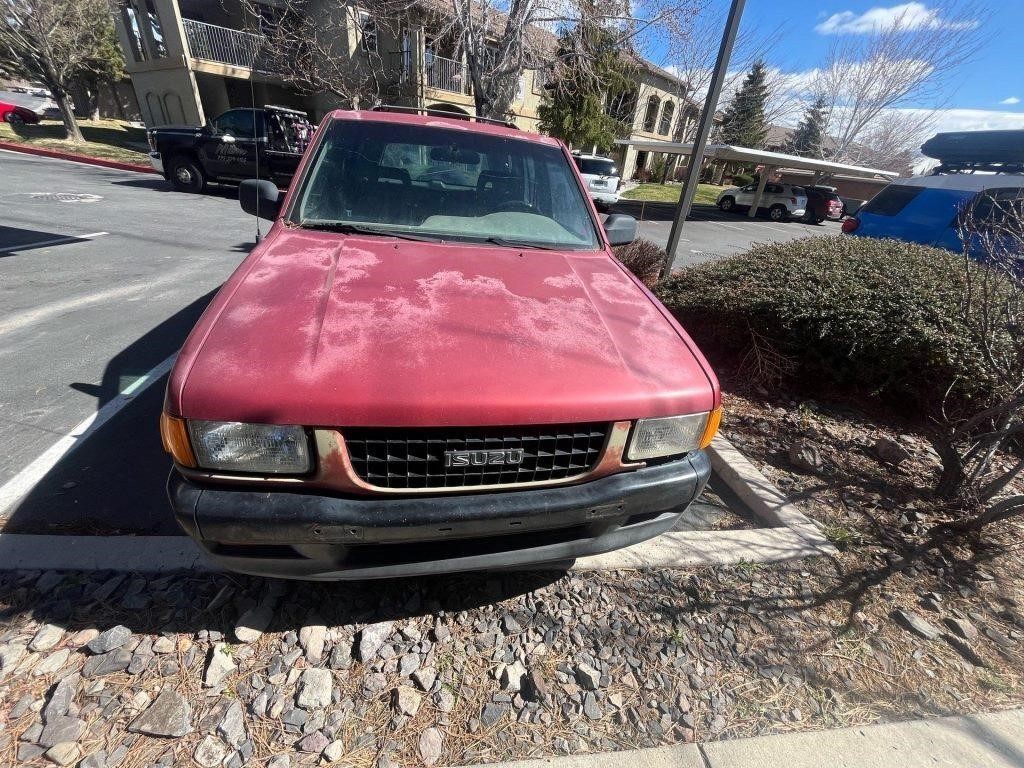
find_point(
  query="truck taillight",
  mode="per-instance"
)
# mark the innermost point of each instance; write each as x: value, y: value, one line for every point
x: 792, y: 200
x: 850, y: 225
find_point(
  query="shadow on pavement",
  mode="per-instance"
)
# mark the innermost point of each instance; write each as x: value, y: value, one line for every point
x: 643, y: 210
x: 17, y: 239
x: 114, y: 481
x: 160, y: 184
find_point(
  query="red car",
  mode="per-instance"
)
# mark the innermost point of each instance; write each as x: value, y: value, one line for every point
x: 15, y: 114
x: 822, y: 203
x: 432, y: 363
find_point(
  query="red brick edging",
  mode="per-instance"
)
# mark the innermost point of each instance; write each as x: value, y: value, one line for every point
x: 74, y: 157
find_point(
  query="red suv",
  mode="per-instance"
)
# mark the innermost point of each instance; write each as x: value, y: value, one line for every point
x: 432, y: 363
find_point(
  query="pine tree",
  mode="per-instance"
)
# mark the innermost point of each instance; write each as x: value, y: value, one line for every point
x: 743, y: 121
x: 572, y: 106
x: 809, y: 137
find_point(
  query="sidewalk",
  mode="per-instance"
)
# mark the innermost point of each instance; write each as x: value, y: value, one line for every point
x: 976, y: 741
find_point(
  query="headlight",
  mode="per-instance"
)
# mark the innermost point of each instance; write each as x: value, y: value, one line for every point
x: 672, y: 435
x: 258, y: 448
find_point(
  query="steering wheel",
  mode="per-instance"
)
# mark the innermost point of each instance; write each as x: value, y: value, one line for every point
x: 515, y: 206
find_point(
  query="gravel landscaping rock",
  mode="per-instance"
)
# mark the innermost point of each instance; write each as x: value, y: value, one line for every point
x: 170, y: 715
x: 210, y: 752
x: 253, y: 623
x: 916, y: 624
x: 46, y: 637
x: 107, y: 663
x: 219, y: 665
x: 372, y: 638
x: 66, y: 753
x: 315, y: 689
x: 430, y: 746
x: 61, y: 729
x: 109, y: 640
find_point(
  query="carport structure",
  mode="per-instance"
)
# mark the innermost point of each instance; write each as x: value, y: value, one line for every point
x: 772, y: 161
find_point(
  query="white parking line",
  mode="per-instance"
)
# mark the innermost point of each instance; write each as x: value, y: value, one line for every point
x: 22, y: 483
x: 55, y: 241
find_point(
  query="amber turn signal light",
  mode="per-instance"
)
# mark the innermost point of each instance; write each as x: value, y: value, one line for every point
x: 174, y: 435
x: 714, y: 419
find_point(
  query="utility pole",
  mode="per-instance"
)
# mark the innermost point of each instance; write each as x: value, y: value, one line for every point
x: 700, y: 141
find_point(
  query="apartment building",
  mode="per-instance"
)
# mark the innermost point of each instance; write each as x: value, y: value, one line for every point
x: 190, y: 60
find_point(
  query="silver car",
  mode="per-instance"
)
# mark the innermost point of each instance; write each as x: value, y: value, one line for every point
x: 782, y: 201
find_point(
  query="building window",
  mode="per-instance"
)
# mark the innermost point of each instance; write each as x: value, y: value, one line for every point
x: 666, y: 118
x: 131, y: 26
x: 651, y: 117
x: 155, y: 30
x: 367, y: 32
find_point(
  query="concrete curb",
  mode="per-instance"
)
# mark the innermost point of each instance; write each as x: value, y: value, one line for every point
x: 992, y: 740
x: 760, y: 495
x: 56, y: 154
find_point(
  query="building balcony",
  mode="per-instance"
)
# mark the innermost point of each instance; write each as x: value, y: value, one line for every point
x: 445, y: 74
x: 221, y: 44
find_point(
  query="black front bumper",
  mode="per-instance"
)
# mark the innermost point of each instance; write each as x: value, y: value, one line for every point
x: 310, y: 536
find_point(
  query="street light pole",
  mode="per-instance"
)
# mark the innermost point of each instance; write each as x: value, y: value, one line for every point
x: 700, y: 141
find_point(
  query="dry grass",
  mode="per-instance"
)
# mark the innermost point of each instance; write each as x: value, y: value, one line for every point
x: 106, y: 139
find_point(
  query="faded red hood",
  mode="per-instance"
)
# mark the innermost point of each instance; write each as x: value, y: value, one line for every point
x: 333, y: 330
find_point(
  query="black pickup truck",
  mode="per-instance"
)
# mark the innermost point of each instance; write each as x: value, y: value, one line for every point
x: 240, y: 144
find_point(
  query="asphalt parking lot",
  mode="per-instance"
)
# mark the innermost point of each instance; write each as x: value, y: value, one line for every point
x: 709, y: 233
x: 102, y: 275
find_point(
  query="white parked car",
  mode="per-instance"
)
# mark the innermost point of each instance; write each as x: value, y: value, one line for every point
x: 782, y: 201
x: 601, y: 176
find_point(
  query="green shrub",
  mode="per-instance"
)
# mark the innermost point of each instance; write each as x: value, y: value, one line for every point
x: 875, y: 316
x: 643, y: 258
x: 742, y: 179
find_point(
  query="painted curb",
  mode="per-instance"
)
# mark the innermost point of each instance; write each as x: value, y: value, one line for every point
x: 56, y: 154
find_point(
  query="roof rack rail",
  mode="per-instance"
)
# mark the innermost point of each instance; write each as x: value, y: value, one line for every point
x: 972, y: 167
x: 284, y: 108
x: 443, y: 113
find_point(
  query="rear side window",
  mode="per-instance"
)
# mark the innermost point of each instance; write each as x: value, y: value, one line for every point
x: 891, y: 200
x: 596, y: 166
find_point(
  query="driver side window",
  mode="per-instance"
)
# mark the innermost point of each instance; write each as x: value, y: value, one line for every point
x: 239, y: 123
x: 749, y: 188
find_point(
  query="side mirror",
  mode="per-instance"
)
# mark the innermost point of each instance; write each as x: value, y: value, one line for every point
x: 620, y: 229
x: 260, y: 197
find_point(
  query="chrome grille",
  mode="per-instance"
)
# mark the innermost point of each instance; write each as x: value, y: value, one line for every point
x: 415, y: 458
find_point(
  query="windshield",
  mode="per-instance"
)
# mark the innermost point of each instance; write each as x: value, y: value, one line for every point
x: 445, y: 184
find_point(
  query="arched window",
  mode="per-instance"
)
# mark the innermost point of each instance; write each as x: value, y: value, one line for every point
x: 651, y: 117
x: 666, y: 118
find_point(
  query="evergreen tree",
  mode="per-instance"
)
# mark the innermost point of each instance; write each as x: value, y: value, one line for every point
x: 743, y: 120
x: 572, y: 105
x: 809, y: 137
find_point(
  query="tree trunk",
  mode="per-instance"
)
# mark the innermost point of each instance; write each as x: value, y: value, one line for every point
x: 67, y: 114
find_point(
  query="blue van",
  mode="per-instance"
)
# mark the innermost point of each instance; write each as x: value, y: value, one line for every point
x: 927, y: 209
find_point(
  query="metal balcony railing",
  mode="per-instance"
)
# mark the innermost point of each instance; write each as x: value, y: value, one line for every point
x: 445, y: 74
x: 227, y: 46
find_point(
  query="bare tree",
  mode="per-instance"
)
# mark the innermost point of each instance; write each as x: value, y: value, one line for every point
x: 890, y: 141
x: 332, y: 53
x: 981, y: 441
x: 55, y: 42
x: 875, y: 70
x: 694, y: 46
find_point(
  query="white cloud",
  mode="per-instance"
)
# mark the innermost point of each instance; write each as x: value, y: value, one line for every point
x: 971, y: 119
x: 1010, y: 100
x: 906, y: 16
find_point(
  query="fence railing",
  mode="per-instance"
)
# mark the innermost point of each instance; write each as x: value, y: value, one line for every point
x: 445, y: 74
x: 228, y: 46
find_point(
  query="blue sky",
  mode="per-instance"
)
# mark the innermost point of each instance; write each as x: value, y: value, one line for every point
x: 977, y: 88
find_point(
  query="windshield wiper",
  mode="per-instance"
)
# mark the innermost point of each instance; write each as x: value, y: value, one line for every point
x: 505, y: 242
x: 347, y: 228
